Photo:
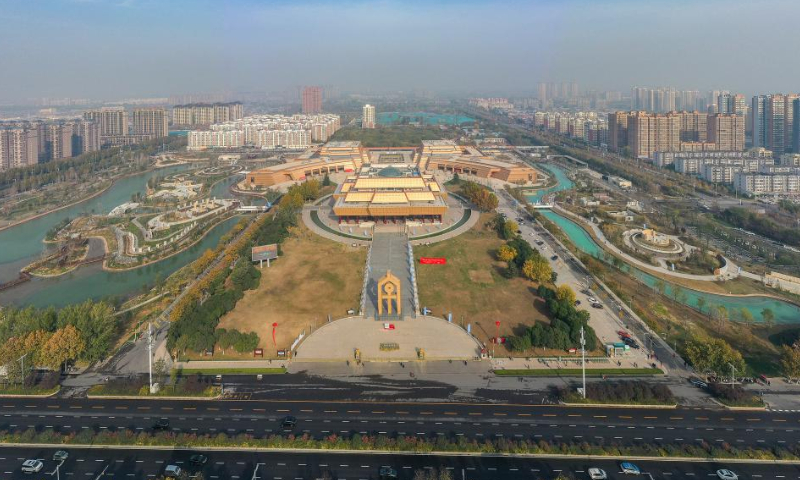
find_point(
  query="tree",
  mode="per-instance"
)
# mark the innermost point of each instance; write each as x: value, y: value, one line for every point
x: 747, y: 317
x: 713, y: 355
x: 768, y: 316
x: 790, y: 361
x: 564, y: 293
x: 701, y: 303
x: 510, y: 228
x: 63, y: 345
x: 537, y: 269
x: 326, y: 181
x: 506, y: 253
x: 660, y: 286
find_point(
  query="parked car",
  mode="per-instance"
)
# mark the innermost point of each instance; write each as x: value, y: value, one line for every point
x: 288, y: 422
x: 630, y: 342
x: 629, y: 469
x: 725, y: 474
x: 387, y: 473
x: 597, y: 474
x: 597, y: 305
x: 554, y: 258
x: 32, y: 466
x: 172, y: 471
x: 623, y: 334
x: 577, y: 302
x: 60, y: 456
x: 592, y: 300
x: 198, y: 460
x: 698, y: 383
x: 161, y: 424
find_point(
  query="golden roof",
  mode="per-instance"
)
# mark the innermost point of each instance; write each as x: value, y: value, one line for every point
x: 389, y: 197
x: 420, y: 196
x: 389, y: 182
x: 358, y: 197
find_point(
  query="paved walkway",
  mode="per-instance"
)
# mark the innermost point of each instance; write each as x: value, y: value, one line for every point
x: 389, y: 252
x: 338, y: 340
x: 731, y: 271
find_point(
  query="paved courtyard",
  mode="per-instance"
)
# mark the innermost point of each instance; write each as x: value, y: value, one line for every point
x: 337, y: 341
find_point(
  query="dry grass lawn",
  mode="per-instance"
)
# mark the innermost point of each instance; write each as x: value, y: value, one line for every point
x: 471, y: 285
x: 313, y: 278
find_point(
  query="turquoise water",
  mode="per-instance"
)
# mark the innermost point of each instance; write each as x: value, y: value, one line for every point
x: 395, y: 118
x: 785, y: 313
x: 564, y: 183
x: 92, y: 282
x: 22, y: 243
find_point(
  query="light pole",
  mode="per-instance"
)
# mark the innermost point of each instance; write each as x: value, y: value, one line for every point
x: 733, y: 373
x: 496, y: 336
x: 150, y: 353
x: 22, y: 368
x: 583, y: 361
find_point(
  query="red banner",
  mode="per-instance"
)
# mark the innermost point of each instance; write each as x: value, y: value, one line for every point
x: 432, y: 260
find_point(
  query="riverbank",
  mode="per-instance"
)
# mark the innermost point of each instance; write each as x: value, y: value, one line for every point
x: 114, y: 180
x: 43, y: 214
x: 665, y: 277
x: 176, y: 252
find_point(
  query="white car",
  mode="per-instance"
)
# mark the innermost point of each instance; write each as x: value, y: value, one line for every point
x: 591, y: 300
x: 725, y: 474
x: 32, y: 466
x: 597, y: 474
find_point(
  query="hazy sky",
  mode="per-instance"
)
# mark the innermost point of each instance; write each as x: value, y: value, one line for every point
x: 108, y: 49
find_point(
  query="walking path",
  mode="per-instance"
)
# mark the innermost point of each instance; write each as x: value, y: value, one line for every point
x: 730, y: 269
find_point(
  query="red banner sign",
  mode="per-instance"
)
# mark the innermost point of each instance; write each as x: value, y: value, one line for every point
x: 432, y: 260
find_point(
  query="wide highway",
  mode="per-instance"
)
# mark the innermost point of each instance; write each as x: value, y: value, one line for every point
x: 624, y: 426
x: 97, y: 464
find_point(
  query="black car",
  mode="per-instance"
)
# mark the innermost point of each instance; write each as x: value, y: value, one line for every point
x: 597, y: 305
x: 198, y: 460
x: 161, y: 424
x: 288, y: 423
x: 630, y: 342
x: 554, y: 257
x: 387, y: 473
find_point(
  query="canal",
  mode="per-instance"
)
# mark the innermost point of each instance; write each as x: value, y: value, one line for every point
x: 21, y: 244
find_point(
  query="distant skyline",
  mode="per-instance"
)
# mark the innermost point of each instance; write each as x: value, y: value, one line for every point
x: 112, y: 49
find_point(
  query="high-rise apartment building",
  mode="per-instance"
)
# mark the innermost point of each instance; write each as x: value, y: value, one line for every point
x: 732, y: 103
x: 758, y: 108
x: 368, y: 117
x: 796, y: 132
x: 113, y: 121
x: 57, y: 141
x: 618, y: 130
x: 726, y: 131
x: 312, y: 100
x: 789, y: 123
x: 775, y: 124
x: 649, y: 133
x: 694, y: 126
x: 85, y: 137
x: 150, y: 122
x: 19, y: 147
x: 197, y: 114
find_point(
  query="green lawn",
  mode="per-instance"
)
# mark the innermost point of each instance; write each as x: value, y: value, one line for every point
x: 397, y: 136
x: 572, y: 372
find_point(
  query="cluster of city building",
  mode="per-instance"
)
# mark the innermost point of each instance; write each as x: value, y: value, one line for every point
x: 27, y: 143
x: 266, y: 132
x: 204, y: 114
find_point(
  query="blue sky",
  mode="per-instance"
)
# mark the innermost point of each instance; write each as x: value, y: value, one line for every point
x: 126, y: 48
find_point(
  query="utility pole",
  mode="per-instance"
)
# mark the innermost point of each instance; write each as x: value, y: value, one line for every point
x: 150, y: 353
x: 583, y: 361
x: 22, y: 373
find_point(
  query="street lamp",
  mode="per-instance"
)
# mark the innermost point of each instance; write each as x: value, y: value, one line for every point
x: 496, y: 336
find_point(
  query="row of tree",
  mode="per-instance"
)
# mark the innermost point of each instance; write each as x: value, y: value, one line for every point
x: 196, y: 318
x: 564, y: 330
x: 520, y: 257
x: 483, y: 198
x: 50, y: 337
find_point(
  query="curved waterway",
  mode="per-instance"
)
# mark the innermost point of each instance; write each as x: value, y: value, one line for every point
x: 564, y: 183
x: 785, y: 312
x: 21, y: 244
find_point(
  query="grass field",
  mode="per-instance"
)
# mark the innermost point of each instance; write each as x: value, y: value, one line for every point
x: 471, y: 287
x: 577, y: 372
x: 313, y: 278
x: 395, y: 136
